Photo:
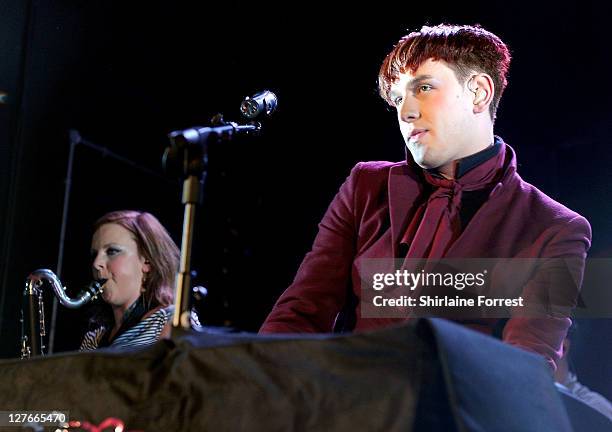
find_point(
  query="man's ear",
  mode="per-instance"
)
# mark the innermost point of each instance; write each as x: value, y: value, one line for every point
x: 481, y: 85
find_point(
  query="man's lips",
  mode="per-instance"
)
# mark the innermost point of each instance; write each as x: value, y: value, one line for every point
x: 417, y: 133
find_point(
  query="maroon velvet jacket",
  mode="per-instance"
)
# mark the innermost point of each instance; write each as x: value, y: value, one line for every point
x: 367, y: 217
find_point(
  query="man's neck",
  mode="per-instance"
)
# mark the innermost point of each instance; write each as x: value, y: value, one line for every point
x: 459, y: 167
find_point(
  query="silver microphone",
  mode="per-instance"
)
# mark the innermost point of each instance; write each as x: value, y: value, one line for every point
x: 261, y: 103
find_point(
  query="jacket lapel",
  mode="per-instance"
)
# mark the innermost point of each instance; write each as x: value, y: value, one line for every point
x: 404, y: 189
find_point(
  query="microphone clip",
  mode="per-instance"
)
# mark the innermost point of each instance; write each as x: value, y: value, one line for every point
x: 187, y: 154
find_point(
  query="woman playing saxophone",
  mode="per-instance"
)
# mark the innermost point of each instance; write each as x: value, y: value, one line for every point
x: 139, y: 259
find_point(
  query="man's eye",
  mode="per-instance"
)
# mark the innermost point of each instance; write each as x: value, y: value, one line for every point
x: 112, y: 251
x: 398, y: 101
x: 425, y: 88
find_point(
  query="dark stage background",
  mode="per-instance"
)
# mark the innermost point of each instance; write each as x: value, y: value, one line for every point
x: 126, y: 74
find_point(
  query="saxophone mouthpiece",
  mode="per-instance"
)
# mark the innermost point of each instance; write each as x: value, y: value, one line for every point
x: 98, y: 285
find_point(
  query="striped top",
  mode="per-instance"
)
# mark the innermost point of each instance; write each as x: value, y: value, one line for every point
x: 143, y: 334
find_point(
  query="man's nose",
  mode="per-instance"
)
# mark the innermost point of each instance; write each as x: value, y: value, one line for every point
x: 409, y: 110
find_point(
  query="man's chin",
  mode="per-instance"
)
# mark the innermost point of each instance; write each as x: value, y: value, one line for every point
x: 426, y: 163
x: 422, y: 157
x: 426, y: 160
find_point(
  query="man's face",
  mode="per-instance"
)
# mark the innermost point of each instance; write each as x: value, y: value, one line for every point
x: 436, y: 115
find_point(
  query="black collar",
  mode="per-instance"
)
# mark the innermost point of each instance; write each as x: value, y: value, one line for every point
x: 131, y: 317
x: 472, y: 161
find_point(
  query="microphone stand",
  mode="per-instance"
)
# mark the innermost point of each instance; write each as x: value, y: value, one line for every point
x: 188, y: 156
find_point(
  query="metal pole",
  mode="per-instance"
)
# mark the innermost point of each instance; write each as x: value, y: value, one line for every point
x: 192, y: 188
x: 74, y: 140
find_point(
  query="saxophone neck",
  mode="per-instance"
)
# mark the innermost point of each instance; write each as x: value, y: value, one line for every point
x: 36, y: 279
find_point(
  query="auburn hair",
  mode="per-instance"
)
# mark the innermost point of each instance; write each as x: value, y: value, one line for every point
x: 465, y: 48
x: 156, y: 246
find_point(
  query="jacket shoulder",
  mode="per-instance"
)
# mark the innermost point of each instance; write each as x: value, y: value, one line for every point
x: 543, y: 207
x: 373, y: 175
x: 377, y: 169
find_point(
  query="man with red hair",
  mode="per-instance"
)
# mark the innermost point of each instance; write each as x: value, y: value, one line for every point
x: 457, y: 195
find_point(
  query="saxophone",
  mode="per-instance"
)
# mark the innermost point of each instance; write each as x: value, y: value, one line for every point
x: 33, y: 296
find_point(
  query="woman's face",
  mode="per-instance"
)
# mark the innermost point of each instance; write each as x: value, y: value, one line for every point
x: 116, y: 258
